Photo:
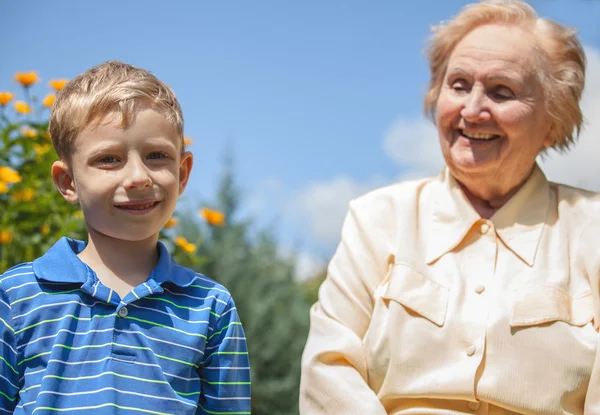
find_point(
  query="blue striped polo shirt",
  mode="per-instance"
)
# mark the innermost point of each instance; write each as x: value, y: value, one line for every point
x: 68, y: 343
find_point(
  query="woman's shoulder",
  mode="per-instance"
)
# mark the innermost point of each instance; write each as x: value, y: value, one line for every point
x: 575, y: 198
x: 397, y: 195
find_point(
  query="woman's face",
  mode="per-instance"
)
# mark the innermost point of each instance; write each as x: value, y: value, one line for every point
x: 490, y: 112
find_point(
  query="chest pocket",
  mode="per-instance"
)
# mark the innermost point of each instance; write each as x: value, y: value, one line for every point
x: 416, y: 292
x: 539, y: 305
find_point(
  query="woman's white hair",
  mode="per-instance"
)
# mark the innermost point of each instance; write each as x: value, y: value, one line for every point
x: 561, y: 59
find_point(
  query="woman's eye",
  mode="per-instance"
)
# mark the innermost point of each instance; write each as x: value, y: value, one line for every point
x: 502, y: 93
x: 459, y: 85
x: 157, y: 155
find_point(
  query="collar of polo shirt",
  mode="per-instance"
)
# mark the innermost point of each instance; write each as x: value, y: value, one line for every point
x: 61, y: 264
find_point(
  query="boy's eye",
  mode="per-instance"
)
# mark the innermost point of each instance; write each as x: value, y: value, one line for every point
x: 106, y: 160
x: 157, y: 155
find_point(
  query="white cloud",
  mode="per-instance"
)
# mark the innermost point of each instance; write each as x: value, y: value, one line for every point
x: 413, y: 145
x: 322, y: 205
x: 309, y: 265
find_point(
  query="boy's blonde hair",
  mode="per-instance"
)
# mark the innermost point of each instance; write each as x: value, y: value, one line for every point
x: 561, y: 57
x: 107, y: 88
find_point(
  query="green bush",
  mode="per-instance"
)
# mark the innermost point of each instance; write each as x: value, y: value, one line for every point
x: 32, y: 213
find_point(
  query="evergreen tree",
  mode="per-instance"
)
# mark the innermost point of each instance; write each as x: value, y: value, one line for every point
x: 270, y: 302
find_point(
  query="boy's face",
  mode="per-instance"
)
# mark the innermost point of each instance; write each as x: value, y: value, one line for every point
x: 127, y: 181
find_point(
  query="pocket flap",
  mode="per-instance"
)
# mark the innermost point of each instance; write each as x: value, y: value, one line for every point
x: 538, y: 305
x: 418, y: 292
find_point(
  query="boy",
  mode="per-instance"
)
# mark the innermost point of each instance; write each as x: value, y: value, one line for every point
x: 114, y: 325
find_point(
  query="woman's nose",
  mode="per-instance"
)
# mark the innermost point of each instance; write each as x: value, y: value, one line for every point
x: 475, y: 107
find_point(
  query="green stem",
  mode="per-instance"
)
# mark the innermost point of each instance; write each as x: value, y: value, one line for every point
x: 28, y: 96
x: 3, y: 116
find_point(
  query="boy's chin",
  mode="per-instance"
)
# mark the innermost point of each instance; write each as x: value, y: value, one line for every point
x: 130, y: 235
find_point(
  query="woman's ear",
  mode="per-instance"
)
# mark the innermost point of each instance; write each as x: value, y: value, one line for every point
x: 63, y: 180
x: 549, y: 140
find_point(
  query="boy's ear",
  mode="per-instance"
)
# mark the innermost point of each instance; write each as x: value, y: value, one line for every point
x: 63, y: 180
x: 185, y: 168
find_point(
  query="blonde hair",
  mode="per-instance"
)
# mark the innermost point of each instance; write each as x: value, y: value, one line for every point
x: 560, y: 55
x: 107, y: 88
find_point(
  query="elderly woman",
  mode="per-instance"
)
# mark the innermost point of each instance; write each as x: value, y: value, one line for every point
x: 476, y: 291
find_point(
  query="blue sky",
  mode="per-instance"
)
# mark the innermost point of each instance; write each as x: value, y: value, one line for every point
x: 321, y: 100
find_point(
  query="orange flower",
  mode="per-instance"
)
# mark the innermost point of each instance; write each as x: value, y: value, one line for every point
x: 187, y: 141
x: 25, y: 195
x: 213, y: 217
x: 3, y: 187
x: 171, y: 223
x: 5, y: 98
x: 26, y: 78
x: 5, y: 237
x: 8, y: 175
x: 22, y: 108
x: 78, y: 214
x: 41, y: 149
x: 28, y: 132
x: 49, y: 100
x: 58, y: 84
x: 188, y: 247
x: 44, y: 229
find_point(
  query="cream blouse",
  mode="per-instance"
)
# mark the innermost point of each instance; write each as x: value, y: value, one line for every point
x: 429, y: 309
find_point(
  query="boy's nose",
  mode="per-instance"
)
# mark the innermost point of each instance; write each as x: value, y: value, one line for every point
x: 138, y: 176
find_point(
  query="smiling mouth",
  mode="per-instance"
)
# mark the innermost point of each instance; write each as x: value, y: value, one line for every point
x: 137, y: 207
x: 479, y: 136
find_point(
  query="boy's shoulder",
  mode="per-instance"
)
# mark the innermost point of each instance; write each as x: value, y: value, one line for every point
x: 188, y: 279
x: 195, y: 288
x: 17, y: 275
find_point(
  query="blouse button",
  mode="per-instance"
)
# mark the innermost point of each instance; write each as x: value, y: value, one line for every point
x: 123, y: 312
x: 471, y: 350
x: 479, y: 289
x: 484, y: 228
x: 473, y: 406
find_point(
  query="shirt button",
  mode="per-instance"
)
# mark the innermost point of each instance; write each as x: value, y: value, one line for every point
x: 473, y: 406
x: 123, y: 312
x: 484, y: 228
x: 479, y: 289
x: 471, y: 350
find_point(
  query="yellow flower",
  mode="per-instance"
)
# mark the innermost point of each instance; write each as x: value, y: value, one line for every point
x: 213, y: 217
x: 171, y: 223
x: 46, y: 135
x: 25, y: 195
x: 78, y: 214
x: 9, y: 175
x: 187, y: 141
x: 5, y: 98
x: 41, y: 149
x: 22, y: 108
x: 188, y: 247
x: 49, y: 100
x: 44, y: 229
x: 26, y: 78
x: 58, y: 84
x: 28, y: 132
x: 3, y: 187
x: 5, y: 237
